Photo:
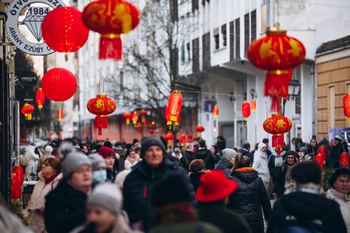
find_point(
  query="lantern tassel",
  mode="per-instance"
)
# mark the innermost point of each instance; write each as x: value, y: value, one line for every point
x: 40, y: 107
x: 29, y: 116
x: 275, y: 107
x: 111, y: 46
x: 246, y: 118
x: 127, y: 121
x: 99, y: 131
x: 348, y: 119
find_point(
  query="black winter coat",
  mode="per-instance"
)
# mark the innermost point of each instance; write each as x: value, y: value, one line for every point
x: 334, y: 158
x: 272, y: 167
x: 225, y: 166
x: 186, y: 159
x: 195, y: 179
x: 207, y: 157
x: 244, y: 152
x: 64, y: 208
x: 278, y: 186
x: 137, y: 190
x: 248, y: 199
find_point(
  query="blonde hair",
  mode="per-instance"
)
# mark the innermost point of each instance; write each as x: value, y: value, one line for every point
x: 241, y: 161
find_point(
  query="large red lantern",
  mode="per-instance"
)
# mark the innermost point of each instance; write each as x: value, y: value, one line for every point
x: 152, y: 127
x: 63, y: 30
x: 346, y: 106
x: 278, y: 54
x: 174, y: 105
x: 277, y: 125
x: 169, y: 137
x: 344, y: 159
x: 253, y: 104
x: 111, y: 18
x: 16, y: 189
x: 40, y: 98
x: 246, y: 110
x: 322, y: 152
x: 142, y: 114
x: 216, y: 111
x: 59, y: 84
x: 27, y: 110
x: 127, y: 116
x: 167, y: 117
x: 200, y: 129
x: 183, y: 140
x: 101, y: 106
x: 319, y: 159
x: 18, y: 170
x: 60, y: 115
x: 135, y: 118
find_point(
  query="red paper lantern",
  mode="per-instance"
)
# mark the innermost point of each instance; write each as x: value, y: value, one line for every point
x: 63, y: 30
x: 143, y: 113
x: 139, y: 127
x: 189, y: 138
x: 344, y: 159
x: 167, y: 117
x: 111, y: 18
x: 101, y: 106
x: 277, y: 125
x: 135, y: 118
x: 59, y: 84
x: 246, y: 110
x: 40, y: 98
x: 174, y: 105
x: 152, y: 127
x: 346, y: 106
x: 60, y: 115
x: 16, y: 189
x: 127, y: 116
x: 183, y: 140
x: 322, y: 152
x: 27, y: 111
x: 319, y: 159
x: 200, y: 129
x: 169, y: 137
x: 216, y: 111
x: 18, y: 170
x: 253, y: 104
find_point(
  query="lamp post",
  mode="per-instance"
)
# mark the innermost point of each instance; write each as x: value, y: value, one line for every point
x: 293, y: 91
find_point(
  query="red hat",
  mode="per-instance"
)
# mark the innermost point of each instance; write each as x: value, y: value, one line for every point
x: 214, y: 186
x: 106, y: 152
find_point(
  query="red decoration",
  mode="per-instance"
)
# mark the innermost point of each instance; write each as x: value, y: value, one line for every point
x: 346, y: 106
x: 135, y: 118
x: 320, y: 160
x: 278, y: 54
x: 27, y: 110
x: 152, y: 127
x: 63, y: 30
x: 216, y: 111
x: 246, y: 110
x: 18, y: 170
x: 253, y: 104
x: 59, y: 84
x: 174, y: 105
x: 322, y: 152
x: 101, y: 106
x: 111, y: 18
x: 143, y: 113
x: 60, y: 114
x: 200, y: 129
x: 40, y: 98
x: 277, y: 125
x: 16, y: 189
x: 189, y: 138
x: 139, y: 127
x: 169, y: 137
x: 127, y: 116
x: 167, y: 117
x: 344, y: 159
x: 183, y: 140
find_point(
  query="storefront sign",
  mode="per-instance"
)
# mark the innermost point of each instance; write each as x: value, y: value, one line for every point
x: 28, y: 78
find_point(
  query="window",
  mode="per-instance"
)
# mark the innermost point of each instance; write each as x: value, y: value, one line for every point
x: 223, y: 31
x: 216, y: 38
x: 183, y: 52
x: 189, y: 51
x: 195, y: 61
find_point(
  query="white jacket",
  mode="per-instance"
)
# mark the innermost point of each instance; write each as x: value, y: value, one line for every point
x: 30, y: 160
x: 37, y: 199
x: 344, y: 204
x: 260, y: 165
x: 128, y: 165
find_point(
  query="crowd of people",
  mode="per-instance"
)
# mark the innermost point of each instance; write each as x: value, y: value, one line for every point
x: 114, y: 187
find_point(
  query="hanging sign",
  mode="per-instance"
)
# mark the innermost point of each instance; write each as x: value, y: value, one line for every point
x: 33, y: 20
x: 28, y: 78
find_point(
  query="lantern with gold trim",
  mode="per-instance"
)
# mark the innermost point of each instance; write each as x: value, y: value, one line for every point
x: 174, y: 105
x: 60, y: 115
x: 200, y: 129
x: 246, y: 110
x: 277, y: 125
x: 346, y: 106
x: 27, y: 111
x: 101, y: 106
x: 40, y: 98
x: 169, y: 137
x: 253, y: 104
x: 139, y: 127
x: 135, y: 118
x: 167, y: 117
x: 216, y: 111
x: 152, y: 127
x: 142, y: 114
x: 127, y: 116
x: 183, y: 140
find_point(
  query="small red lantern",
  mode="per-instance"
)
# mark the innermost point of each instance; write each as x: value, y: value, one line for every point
x: 59, y: 84
x: 167, y: 117
x: 246, y: 110
x: 189, y: 138
x: 101, y: 106
x: 346, y: 106
x: 139, y: 127
x: 319, y: 159
x: 253, y: 104
x: 169, y: 137
x: 18, y: 170
x: 27, y: 110
x: 135, y: 118
x: 40, y: 98
x: 277, y: 125
x: 152, y: 127
x: 200, y: 129
x: 183, y: 140
x: 111, y: 18
x: 344, y: 159
x: 216, y: 111
x: 16, y: 189
x: 143, y: 113
x: 127, y: 116
x: 63, y: 30
x: 60, y: 115
x: 174, y: 105
x: 322, y: 152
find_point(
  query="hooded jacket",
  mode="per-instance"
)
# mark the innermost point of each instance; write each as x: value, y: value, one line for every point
x: 260, y: 163
x: 30, y: 160
x: 244, y: 152
x: 225, y: 166
x: 344, y: 204
x: 206, y: 156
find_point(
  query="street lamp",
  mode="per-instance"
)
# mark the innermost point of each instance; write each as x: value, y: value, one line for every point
x: 294, y: 87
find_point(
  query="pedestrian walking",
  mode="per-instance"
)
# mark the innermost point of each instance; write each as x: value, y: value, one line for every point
x: 187, y: 157
x: 131, y: 159
x: 275, y: 163
x: 109, y: 156
x: 213, y: 194
x: 339, y: 147
x: 47, y: 154
x: 250, y: 198
x: 197, y: 168
x: 99, y: 172
x: 312, y: 148
x: 30, y: 160
x: 260, y: 164
x: 205, y: 155
x: 305, y: 209
x: 226, y: 162
x: 245, y: 151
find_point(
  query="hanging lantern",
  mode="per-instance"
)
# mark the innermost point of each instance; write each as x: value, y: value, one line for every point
x: 111, y: 18
x: 344, y: 159
x: 143, y: 113
x: 200, y: 129
x: 346, y: 106
x: 169, y: 137
x: 246, y: 110
x: 322, y: 152
x: 183, y: 140
x: 277, y: 125
x: 27, y: 111
x: 214, y: 128
x: 189, y: 138
x: 16, y: 189
x: 176, y: 123
x: 152, y: 127
x: 253, y: 104
x: 40, y: 98
x: 174, y: 105
x: 278, y: 54
x: 216, y: 111
x: 145, y: 123
x: 101, y: 106
x: 319, y: 159
x: 139, y: 127
x: 135, y: 118
x: 60, y: 115
x: 18, y: 170
x: 167, y: 117
x: 63, y: 30
x: 59, y: 84
x: 127, y: 116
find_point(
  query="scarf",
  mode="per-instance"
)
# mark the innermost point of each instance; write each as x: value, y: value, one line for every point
x: 288, y: 182
x: 49, y: 180
x: 244, y: 169
x: 182, y: 212
x: 131, y: 160
x: 339, y: 195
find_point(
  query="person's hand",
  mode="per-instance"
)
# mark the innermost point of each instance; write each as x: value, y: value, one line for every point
x: 266, y: 221
x: 274, y: 195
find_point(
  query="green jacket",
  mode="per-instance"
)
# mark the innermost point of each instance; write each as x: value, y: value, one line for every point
x: 220, y: 216
x: 186, y: 228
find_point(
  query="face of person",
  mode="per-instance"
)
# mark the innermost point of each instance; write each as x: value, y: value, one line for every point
x: 195, y: 143
x: 82, y: 176
x: 48, y: 170
x: 232, y: 160
x: 110, y: 161
x: 342, y: 184
x: 85, y: 149
x: 313, y: 143
x: 212, y: 150
x: 133, y: 155
x: 103, y: 219
x: 248, y: 149
x: 263, y: 149
x: 290, y: 159
x: 336, y: 142
x: 153, y: 156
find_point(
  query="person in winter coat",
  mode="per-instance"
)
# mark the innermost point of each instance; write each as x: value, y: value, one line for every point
x: 99, y: 172
x: 245, y: 151
x: 205, y: 155
x: 65, y: 205
x: 30, y: 160
x: 305, y: 209
x: 130, y: 160
x: 172, y: 198
x: 213, y: 194
x: 109, y: 156
x: 122, y: 157
x: 284, y: 180
x: 104, y: 211
x: 226, y: 162
x: 187, y: 157
x: 260, y: 164
x: 339, y: 147
x: 48, y: 151
x: 340, y: 192
x: 312, y: 148
x: 197, y: 169
x: 250, y: 195
x: 48, y: 180
x: 137, y: 185
x: 275, y: 163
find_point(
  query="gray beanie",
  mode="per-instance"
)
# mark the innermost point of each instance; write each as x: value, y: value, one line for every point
x: 71, y: 159
x: 149, y: 141
x: 228, y: 153
x: 108, y: 196
x: 97, y: 161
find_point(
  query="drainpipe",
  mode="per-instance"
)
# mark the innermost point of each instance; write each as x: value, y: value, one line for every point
x: 267, y: 15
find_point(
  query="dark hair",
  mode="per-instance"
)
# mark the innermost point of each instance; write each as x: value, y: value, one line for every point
x: 129, y: 151
x: 201, y: 143
x: 221, y: 138
x: 107, y: 144
x: 307, y: 172
x: 265, y: 140
x: 55, y: 164
x: 246, y: 145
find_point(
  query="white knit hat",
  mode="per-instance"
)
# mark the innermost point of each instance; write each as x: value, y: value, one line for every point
x: 108, y: 196
x: 261, y: 145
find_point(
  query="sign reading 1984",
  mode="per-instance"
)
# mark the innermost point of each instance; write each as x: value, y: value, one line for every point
x: 33, y: 20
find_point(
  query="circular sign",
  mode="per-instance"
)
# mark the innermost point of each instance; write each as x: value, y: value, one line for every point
x: 33, y: 20
x: 28, y: 78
